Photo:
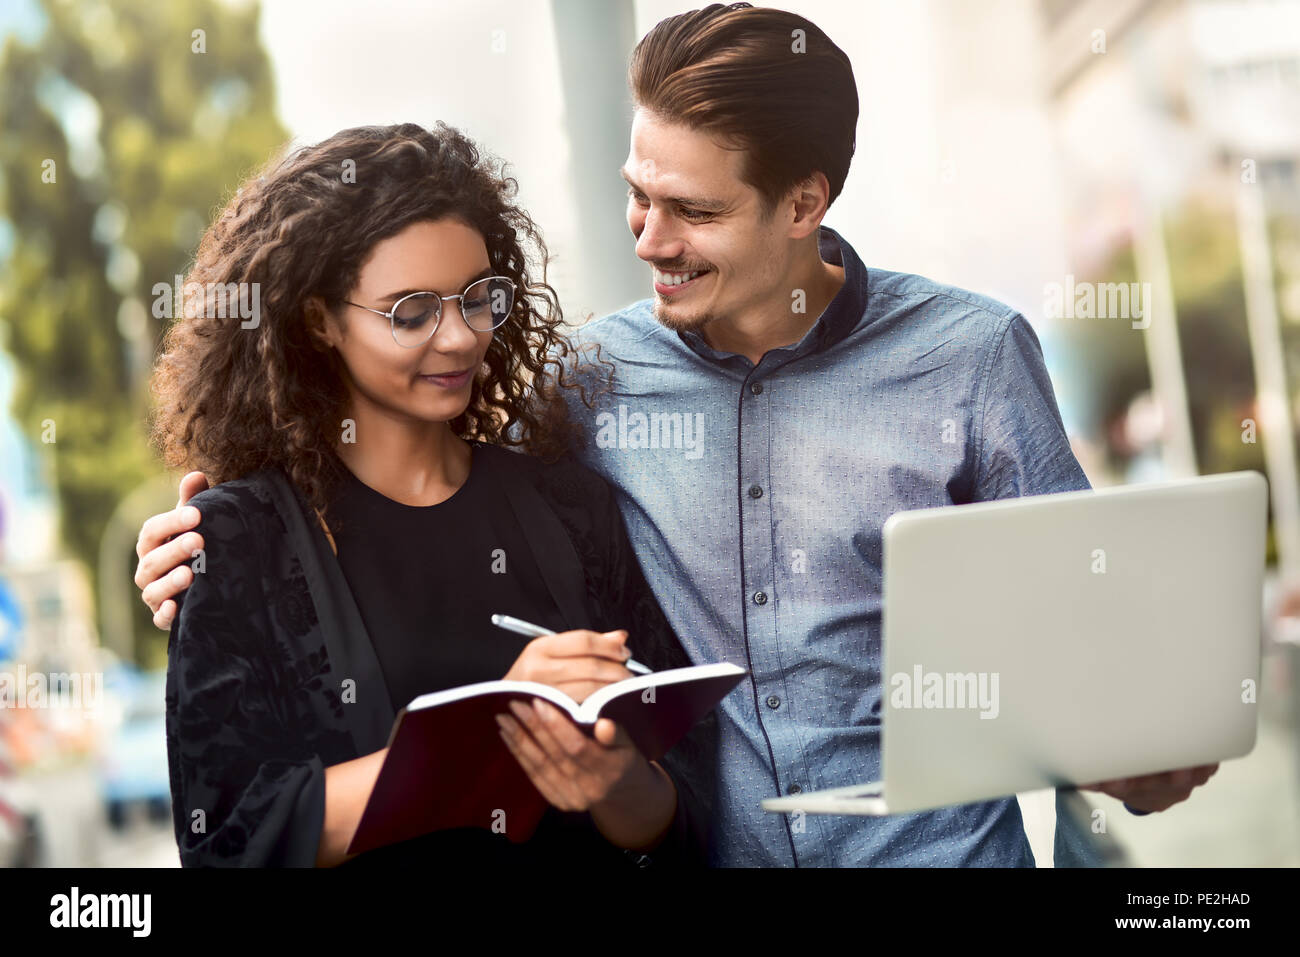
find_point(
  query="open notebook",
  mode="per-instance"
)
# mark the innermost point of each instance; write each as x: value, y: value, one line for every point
x: 447, y: 766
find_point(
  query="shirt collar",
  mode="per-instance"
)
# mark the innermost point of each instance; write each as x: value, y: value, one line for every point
x: 839, y: 318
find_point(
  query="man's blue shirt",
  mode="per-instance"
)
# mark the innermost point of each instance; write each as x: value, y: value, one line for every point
x: 755, y: 496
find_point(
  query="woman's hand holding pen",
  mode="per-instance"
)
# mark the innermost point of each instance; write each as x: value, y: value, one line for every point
x: 575, y: 662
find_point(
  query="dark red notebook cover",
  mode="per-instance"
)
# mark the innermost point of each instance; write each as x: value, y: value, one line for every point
x: 447, y: 766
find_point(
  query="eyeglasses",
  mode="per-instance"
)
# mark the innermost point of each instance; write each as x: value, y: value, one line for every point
x: 484, y: 305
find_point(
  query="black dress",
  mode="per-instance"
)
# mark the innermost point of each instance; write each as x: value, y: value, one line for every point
x: 274, y: 625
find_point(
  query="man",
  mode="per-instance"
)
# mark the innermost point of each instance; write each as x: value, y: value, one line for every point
x: 774, y: 403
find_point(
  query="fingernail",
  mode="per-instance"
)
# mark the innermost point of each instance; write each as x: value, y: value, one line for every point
x: 501, y: 722
x: 191, y: 514
x: 539, y: 707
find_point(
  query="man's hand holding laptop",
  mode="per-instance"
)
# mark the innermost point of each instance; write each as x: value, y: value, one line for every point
x: 1155, y: 792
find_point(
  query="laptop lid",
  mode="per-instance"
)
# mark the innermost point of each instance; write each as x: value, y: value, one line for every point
x: 1070, y: 638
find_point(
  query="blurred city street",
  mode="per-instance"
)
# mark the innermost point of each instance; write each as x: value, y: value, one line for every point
x: 75, y: 830
x: 1019, y: 149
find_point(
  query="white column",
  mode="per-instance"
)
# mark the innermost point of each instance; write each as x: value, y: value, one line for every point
x: 1275, y: 427
x: 1164, y: 352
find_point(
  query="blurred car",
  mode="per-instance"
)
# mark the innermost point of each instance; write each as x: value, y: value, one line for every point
x: 20, y: 834
x: 133, y: 760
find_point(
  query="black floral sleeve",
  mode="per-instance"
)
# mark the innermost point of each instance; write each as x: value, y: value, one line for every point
x: 247, y: 787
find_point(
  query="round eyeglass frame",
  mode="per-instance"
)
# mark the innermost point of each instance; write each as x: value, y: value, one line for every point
x: 391, y: 313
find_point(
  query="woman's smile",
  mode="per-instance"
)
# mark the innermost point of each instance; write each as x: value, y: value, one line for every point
x: 449, y: 380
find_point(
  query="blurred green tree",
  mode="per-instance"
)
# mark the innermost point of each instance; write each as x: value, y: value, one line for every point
x: 126, y: 126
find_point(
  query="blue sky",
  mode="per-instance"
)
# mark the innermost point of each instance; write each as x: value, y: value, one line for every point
x: 22, y: 17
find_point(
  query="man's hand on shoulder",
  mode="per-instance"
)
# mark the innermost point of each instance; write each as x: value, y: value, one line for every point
x: 164, y: 546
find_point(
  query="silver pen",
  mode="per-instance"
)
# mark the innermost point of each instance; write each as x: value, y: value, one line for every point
x: 521, y: 627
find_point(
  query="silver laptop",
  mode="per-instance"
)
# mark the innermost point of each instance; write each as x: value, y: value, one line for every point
x: 1064, y: 639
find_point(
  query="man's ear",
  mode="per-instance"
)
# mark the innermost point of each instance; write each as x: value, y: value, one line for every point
x: 811, y: 200
x: 320, y: 325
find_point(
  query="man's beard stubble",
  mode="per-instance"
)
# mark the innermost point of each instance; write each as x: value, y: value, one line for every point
x: 679, y: 321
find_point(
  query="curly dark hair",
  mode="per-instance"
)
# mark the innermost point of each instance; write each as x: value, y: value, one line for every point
x: 231, y: 400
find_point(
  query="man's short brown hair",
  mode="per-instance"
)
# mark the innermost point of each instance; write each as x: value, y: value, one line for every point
x: 762, y: 80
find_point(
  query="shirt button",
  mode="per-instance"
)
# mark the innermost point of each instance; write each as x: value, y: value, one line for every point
x: 773, y: 701
x: 755, y: 492
x: 756, y: 388
x: 795, y: 789
x: 760, y: 598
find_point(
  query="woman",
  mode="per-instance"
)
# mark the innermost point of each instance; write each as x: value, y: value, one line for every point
x: 369, y: 521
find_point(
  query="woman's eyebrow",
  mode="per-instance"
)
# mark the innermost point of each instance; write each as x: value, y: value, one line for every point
x: 481, y: 274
